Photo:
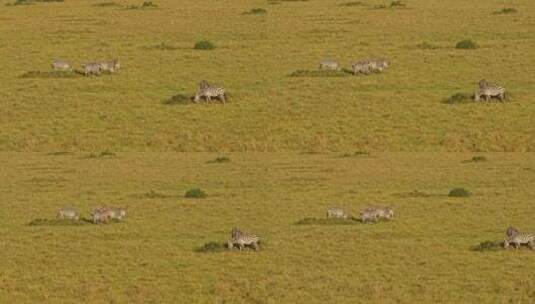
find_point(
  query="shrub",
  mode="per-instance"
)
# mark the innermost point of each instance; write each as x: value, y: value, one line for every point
x: 458, y: 98
x: 466, y: 44
x: 506, y: 10
x: 195, y: 193
x: 178, y: 99
x: 476, y: 159
x: 256, y: 11
x: 396, y: 3
x: 459, y: 192
x: 212, y: 247
x: 354, y: 3
x: 487, y: 246
x: 219, y: 160
x: 204, y: 45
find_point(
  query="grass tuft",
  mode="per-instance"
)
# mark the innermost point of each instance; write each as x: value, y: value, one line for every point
x: 458, y: 98
x: 459, y: 192
x: 466, y: 44
x: 195, y: 193
x: 204, y: 45
x: 256, y: 11
x: 476, y: 159
x: 506, y: 10
x: 177, y: 99
x: 397, y: 4
x: 211, y: 247
x: 219, y: 160
x: 487, y: 246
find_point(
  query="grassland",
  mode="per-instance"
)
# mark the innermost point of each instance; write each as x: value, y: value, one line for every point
x: 290, y: 143
x: 400, y: 110
x: 422, y: 256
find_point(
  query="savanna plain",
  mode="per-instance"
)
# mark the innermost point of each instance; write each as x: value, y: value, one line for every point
x: 289, y: 143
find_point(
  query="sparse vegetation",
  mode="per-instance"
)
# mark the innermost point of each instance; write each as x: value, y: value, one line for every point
x: 195, y: 193
x: 256, y: 11
x: 458, y: 98
x: 459, y: 192
x: 146, y: 4
x: 466, y: 44
x: 27, y: 2
x: 506, y: 10
x: 357, y: 153
x: 353, y: 3
x: 220, y: 160
x: 397, y: 4
x: 476, y: 159
x: 106, y: 4
x: 204, y: 45
x: 103, y: 154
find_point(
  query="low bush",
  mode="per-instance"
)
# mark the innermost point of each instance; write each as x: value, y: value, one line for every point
x: 459, y: 192
x: 195, y: 193
x: 204, y: 45
x: 466, y: 44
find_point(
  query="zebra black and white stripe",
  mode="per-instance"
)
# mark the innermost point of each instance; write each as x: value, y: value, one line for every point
x: 489, y: 90
x: 520, y: 238
x: 208, y: 92
x: 61, y: 65
x: 336, y: 213
x: 329, y: 64
x: 240, y: 239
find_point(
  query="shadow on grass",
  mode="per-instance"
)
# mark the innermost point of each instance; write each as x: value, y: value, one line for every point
x: 325, y: 221
x: 51, y: 74
x: 487, y: 246
x: 319, y: 73
x: 59, y: 222
x: 179, y: 99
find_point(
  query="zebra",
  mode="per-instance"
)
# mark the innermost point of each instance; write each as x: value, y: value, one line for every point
x: 488, y: 90
x: 329, y: 64
x: 208, y: 92
x: 91, y: 68
x: 114, y: 213
x: 336, y: 213
x: 511, y: 231
x: 361, y: 67
x: 111, y: 66
x: 101, y: 215
x: 379, y: 64
x: 376, y: 213
x: 242, y: 239
x: 61, y: 65
x: 68, y: 213
x: 203, y: 84
x: 519, y: 239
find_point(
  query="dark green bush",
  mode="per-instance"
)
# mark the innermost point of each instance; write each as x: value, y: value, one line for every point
x: 256, y: 11
x: 466, y: 44
x: 506, y: 10
x: 204, y: 45
x: 459, y: 192
x: 195, y: 193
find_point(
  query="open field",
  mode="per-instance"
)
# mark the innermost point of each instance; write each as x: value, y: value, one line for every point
x: 422, y: 256
x: 399, y: 110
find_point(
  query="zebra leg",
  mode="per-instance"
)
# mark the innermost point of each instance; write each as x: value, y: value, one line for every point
x: 222, y: 97
x: 255, y: 246
x: 208, y: 99
x: 240, y: 245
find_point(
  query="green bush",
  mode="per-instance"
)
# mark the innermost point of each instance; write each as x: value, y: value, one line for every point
x: 256, y: 11
x: 396, y: 3
x: 459, y: 192
x: 466, y: 44
x: 506, y: 10
x: 204, y: 45
x: 195, y: 193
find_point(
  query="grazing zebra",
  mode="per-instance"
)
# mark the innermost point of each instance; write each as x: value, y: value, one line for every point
x: 68, y: 213
x: 488, y: 90
x: 379, y: 64
x: 511, y: 231
x: 101, y: 215
x: 91, y: 68
x: 519, y: 239
x: 208, y: 92
x: 242, y: 239
x: 114, y: 213
x: 363, y: 67
x: 376, y: 213
x: 111, y: 66
x: 329, y: 64
x: 336, y: 213
x: 61, y: 65
x: 203, y: 84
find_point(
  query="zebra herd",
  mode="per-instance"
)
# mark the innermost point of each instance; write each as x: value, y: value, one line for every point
x: 365, y: 66
x: 90, y: 68
x: 98, y: 215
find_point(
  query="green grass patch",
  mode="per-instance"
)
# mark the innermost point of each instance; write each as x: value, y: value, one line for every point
x: 466, y: 44
x: 179, y: 99
x: 256, y: 11
x: 195, y: 193
x: 459, y: 192
x: 219, y: 160
x: 204, y: 45
x: 476, y: 159
x: 506, y: 10
x: 458, y: 98
x: 487, y: 246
